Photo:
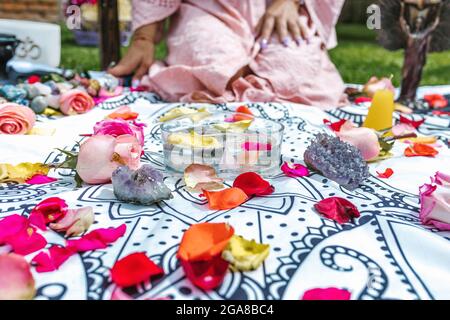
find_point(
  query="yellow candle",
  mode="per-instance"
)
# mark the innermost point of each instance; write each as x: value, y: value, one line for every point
x: 380, y: 113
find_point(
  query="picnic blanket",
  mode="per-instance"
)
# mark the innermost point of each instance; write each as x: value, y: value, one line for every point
x: 385, y: 254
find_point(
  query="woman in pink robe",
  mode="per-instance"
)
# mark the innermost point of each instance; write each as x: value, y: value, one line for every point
x: 238, y: 50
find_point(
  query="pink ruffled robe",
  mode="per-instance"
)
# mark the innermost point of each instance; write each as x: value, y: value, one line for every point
x: 209, y: 41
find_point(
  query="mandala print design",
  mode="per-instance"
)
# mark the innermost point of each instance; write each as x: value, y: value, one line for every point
x: 374, y: 266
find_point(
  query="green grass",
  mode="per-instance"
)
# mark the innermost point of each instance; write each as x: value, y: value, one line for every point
x: 357, y: 57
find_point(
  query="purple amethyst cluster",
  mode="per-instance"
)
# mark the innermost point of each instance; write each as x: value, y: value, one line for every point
x: 144, y: 186
x: 337, y: 160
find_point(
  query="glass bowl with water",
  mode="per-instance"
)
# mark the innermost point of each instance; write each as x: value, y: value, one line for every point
x: 231, y: 142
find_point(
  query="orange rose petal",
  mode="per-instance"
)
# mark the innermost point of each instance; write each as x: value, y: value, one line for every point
x: 124, y: 113
x: 225, y: 199
x: 243, y: 113
x: 386, y: 174
x: 203, y: 241
x: 420, y: 149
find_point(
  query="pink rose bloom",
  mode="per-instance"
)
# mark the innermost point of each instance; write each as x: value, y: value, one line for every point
x: 374, y: 84
x: 16, y: 119
x: 365, y: 139
x: 75, y: 101
x: 100, y: 155
x: 118, y: 127
x: 435, y: 202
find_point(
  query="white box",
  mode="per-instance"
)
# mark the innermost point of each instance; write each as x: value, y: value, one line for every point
x: 41, y: 42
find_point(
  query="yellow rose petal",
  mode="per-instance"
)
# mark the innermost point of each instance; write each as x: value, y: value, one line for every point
x: 424, y: 140
x: 176, y: 113
x: 239, y: 126
x: 193, y: 139
x: 42, y: 131
x: 22, y: 171
x: 245, y: 255
x: 51, y: 112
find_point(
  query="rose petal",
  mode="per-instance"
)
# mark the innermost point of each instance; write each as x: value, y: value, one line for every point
x: 386, y: 174
x: 326, y: 294
x: 124, y: 113
x: 245, y: 255
x: 415, y: 124
x: 134, y: 269
x: 238, y: 126
x: 202, y: 241
x: 22, y: 171
x: 176, y: 113
x: 193, y: 139
x: 360, y: 100
x: 51, y: 261
x: 335, y: 126
x: 75, y: 222
x: 436, y: 100
x: 16, y: 280
x: 97, y: 239
x: 202, y: 177
x: 402, y: 128
x: 242, y: 113
x: 253, y: 184
x: 49, y: 210
x: 294, y: 170
x: 435, y: 202
x: 256, y: 146
x: 420, y: 149
x: 338, y: 209
x: 27, y: 241
x: 206, y: 275
x: 365, y: 139
x: 40, y: 179
x: 225, y: 199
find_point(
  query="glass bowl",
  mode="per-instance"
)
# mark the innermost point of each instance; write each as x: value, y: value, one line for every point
x: 232, y: 143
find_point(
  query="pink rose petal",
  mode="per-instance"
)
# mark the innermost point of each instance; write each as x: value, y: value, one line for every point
x: 51, y: 261
x: 16, y: 280
x: 75, y: 222
x: 294, y: 170
x: 256, y: 146
x: 365, y: 139
x: 97, y: 239
x: 40, y: 179
x: 326, y: 294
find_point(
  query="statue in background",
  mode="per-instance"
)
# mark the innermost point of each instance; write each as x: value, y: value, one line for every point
x: 419, y: 27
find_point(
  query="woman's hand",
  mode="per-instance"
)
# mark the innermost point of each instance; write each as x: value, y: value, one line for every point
x: 140, y: 55
x: 282, y: 16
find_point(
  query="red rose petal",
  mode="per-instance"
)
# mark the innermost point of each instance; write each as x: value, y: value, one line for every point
x: 49, y: 210
x: 51, y: 261
x: 253, y: 184
x: 338, y: 209
x: 206, y: 274
x: 327, y: 294
x: 134, y: 269
x: 386, y: 174
x: 97, y: 239
x: 33, y: 79
x: 335, y: 126
x: 436, y: 100
x: 362, y: 100
x: 415, y: 124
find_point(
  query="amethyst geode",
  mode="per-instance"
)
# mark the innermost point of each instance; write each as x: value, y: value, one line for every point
x: 144, y: 186
x: 337, y: 160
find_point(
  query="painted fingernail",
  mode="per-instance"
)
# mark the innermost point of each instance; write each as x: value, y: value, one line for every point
x: 264, y: 44
x: 135, y: 83
x: 298, y: 40
x: 286, y: 41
